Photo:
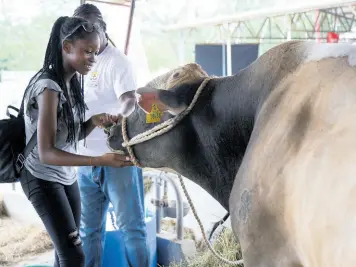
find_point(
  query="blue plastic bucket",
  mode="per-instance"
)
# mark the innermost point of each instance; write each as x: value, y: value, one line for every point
x: 114, y: 251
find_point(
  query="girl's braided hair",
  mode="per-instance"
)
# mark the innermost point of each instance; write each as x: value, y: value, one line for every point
x: 65, y: 28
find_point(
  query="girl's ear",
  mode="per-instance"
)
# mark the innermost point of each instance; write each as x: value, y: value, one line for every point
x: 67, y: 46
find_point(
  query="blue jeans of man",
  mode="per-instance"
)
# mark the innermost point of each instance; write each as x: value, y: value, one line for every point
x: 123, y: 187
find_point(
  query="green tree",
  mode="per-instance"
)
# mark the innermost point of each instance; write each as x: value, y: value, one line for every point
x: 23, y: 42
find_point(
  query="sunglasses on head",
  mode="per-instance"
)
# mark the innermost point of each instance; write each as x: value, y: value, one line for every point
x: 87, y: 26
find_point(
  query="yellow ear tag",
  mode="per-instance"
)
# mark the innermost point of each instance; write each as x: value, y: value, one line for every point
x: 155, y: 115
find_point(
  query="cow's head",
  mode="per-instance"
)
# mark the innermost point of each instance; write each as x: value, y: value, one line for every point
x: 171, y: 93
x: 208, y: 145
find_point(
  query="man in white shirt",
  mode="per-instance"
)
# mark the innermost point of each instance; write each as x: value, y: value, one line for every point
x: 110, y: 77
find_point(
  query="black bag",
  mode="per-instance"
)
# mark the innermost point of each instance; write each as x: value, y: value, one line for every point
x: 13, y: 148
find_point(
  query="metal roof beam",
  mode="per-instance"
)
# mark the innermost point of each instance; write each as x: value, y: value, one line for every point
x: 268, y: 12
x: 269, y: 29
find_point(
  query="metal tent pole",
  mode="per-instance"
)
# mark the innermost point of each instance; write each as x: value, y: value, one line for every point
x: 129, y: 26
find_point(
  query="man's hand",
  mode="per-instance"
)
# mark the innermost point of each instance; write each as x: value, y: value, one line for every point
x: 105, y: 120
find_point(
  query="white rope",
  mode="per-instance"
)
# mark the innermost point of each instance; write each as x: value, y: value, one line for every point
x: 157, y: 131
x: 239, y: 262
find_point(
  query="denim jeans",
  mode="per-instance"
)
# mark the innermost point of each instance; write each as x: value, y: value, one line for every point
x: 123, y: 187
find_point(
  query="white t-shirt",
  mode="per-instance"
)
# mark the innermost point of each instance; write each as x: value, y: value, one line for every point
x: 111, y: 75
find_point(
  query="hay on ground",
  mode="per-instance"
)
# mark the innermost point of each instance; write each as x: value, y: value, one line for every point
x: 147, y: 183
x: 19, y: 241
x: 170, y: 225
x: 226, y: 246
x: 2, y: 207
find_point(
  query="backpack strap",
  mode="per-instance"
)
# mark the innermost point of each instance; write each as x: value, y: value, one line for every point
x: 21, y: 158
x: 8, y: 111
x: 30, y: 145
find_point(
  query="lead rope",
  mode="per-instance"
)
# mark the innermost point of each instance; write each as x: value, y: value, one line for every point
x: 157, y: 131
x: 239, y: 262
x: 129, y: 148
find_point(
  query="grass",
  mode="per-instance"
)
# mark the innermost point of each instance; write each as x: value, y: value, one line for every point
x: 226, y: 246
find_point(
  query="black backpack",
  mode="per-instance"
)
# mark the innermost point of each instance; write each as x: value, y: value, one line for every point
x: 13, y: 148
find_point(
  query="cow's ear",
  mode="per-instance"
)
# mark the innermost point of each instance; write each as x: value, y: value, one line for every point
x: 165, y: 100
x: 127, y: 102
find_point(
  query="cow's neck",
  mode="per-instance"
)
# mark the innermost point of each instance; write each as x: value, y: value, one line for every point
x: 222, y: 137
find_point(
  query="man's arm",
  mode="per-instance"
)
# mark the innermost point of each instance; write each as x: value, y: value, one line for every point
x: 124, y: 83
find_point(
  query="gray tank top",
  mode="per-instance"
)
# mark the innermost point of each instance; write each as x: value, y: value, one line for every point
x: 63, y: 174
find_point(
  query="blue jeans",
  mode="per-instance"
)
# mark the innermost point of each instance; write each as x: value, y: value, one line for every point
x: 123, y: 187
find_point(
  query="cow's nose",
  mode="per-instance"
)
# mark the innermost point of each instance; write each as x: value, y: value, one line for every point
x: 112, y: 130
x: 111, y: 139
x: 114, y: 143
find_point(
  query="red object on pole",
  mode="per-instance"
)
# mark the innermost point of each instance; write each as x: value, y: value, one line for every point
x: 332, y: 37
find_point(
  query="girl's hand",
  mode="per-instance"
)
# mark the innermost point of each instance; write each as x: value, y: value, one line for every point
x: 114, y: 160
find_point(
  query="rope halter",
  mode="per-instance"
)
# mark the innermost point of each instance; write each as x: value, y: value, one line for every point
x: 158, y: 130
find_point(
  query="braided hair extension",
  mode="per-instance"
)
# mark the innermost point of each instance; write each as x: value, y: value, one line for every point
x: 87, y: 10
x: 67, y: 28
